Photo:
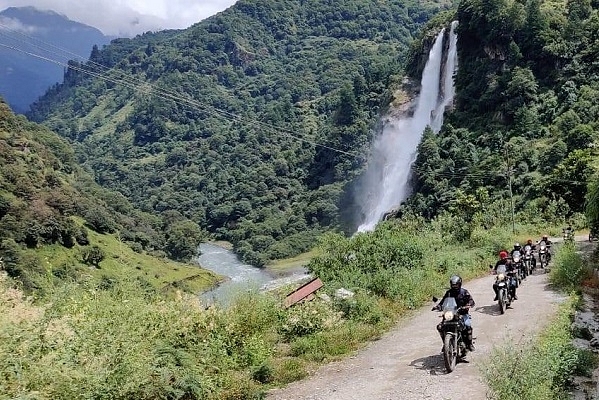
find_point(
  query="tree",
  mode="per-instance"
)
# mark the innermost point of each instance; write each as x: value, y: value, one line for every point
x: 570, y: 178
x: 100, y: 221
x: 183, y: 239
x: 592, y: 202
x: 93, y: 256
x: 347, y: 111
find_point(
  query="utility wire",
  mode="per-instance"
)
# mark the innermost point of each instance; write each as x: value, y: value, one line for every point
x: 131, y: 83
x: 139, y: 85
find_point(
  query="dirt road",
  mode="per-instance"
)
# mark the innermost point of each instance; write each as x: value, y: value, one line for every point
x: 414, y: 370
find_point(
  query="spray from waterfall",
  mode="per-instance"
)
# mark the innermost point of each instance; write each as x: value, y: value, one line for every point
x: 386, y: 180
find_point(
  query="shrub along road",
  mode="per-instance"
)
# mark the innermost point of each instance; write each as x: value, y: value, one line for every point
x: 406, y: 363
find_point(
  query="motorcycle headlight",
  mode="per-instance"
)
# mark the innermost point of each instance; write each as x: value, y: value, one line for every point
x: 501, y: 277
x: 542, y: 248
x: 448, y: 315
x: 516, y: 259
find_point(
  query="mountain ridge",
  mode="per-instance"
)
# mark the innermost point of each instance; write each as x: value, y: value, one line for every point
x: 36, y: 48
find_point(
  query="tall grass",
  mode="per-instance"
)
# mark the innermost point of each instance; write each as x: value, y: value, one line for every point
x: 540, y: 368
x: 123, y: 340
x: 569, y: 268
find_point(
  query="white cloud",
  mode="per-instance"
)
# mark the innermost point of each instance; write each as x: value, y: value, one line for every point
x: 129, y: 17
x: 10, y: 24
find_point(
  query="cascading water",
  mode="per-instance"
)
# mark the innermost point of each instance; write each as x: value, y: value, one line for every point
x: 395, y: 149
x: 448, y: 89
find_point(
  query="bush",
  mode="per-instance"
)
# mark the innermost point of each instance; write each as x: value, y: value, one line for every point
x: 100, y: 221
x: 93, y: 256
x: 569, y: 268
x: 553, y: 351
x: 307, y: 318
x: 81, y: 236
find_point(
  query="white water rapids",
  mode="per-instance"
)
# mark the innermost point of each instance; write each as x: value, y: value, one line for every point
x: 386, y: 180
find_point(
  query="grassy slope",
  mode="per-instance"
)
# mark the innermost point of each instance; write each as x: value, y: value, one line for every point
x: 121, y: 261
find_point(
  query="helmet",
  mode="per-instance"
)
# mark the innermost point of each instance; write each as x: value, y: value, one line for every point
x: 503, y: 254
x: 517, y: 246
x: 529, y: 241
x: 455, y: 282
x: 544, y: 237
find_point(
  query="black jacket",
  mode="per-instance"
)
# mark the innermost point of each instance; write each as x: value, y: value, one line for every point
x: 462, y: 299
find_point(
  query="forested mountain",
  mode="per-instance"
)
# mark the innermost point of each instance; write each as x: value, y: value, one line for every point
x: 53, y: 215
x: 254, y: 122
x: 526, y: 112
x: 249, y: 123
x: 27, y: 31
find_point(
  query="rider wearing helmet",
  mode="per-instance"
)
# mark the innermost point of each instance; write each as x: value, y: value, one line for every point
x: 548, y: 243
x: 530, y: 244
x: 509, y: 267
x: 464, y: 302
x: 517, y: 248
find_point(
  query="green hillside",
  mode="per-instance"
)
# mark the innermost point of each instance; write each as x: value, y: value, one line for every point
x: 57, y: 225
x: 224, y: 126
x: 250, y: 123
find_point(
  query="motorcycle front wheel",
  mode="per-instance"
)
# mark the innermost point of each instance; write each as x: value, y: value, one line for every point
x: 501, y: 298
x: 450, y: 352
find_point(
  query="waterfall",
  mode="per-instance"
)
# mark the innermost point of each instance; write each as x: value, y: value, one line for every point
x: 448, y: 90
x: 386, y: 180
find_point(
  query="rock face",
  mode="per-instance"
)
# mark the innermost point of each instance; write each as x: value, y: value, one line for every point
x: 586, y: 330
x: 37, y: 44
x: 402, y: 104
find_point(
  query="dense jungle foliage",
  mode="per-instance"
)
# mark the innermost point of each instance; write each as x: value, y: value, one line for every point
x: 526, y: 112
x: 250, y: 123
x: 55, y: 221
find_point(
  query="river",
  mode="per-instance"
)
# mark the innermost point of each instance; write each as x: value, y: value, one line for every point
x: 240, y: 277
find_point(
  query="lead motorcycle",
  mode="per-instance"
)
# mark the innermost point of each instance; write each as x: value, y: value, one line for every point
x: 451, y: 327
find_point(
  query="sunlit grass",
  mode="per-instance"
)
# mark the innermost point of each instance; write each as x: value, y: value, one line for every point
x: 122, y: 262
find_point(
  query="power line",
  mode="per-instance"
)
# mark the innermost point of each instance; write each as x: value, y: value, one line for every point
x: 141, y: 86
x: 131, y: 83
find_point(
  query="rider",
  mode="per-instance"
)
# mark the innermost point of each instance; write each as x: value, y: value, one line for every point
x: 464, y: 302
x: 532, y: 248
x: 505, y: 260
x: 568, y: 232
x: 517, y: 248
x: 548, y: 243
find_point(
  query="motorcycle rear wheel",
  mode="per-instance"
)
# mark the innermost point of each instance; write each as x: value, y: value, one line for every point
x: 450, y: 352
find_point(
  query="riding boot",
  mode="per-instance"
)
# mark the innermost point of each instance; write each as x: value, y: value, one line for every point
x: 442, y: 337
x: 468, y: 341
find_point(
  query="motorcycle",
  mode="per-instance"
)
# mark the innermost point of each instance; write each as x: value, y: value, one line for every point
x: 452, y: 327
x: 519, y: 265
x: 593, y: 234
x: 505, y: 295
x: 529, y: 262
x: 568, y: 235
x: 543, y: 254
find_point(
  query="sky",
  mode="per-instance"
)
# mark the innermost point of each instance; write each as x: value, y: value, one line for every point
x: 129, y: 17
